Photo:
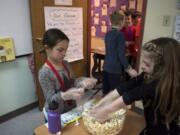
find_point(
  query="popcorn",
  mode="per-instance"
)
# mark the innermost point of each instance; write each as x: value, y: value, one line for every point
x: 110, y: 127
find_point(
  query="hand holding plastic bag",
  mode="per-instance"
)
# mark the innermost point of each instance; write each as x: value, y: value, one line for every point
x: 85, y: 82
x: 73, y: 93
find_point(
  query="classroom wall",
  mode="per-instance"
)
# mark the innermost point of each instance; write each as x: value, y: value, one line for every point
x: 15, y: 23
x: 156, y: 10
x: 17, y: 87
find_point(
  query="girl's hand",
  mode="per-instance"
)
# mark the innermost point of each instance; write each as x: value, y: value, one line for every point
x: 89, y: 83
x: 100, y: 114
x: 132, y: 72
x: 73, y: 93
x: 78, y: 94
x: 109, y: 98
x: 100, y: 103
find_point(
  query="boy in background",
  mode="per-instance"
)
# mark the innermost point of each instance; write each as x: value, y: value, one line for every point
x: 115, y: 62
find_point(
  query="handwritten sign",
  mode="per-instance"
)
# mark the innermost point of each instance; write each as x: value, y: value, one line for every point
x: 69, y: 20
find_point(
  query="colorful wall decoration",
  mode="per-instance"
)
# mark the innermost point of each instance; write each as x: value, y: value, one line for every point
x: 100, y: 12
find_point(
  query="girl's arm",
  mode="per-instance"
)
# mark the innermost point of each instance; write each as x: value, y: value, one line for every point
x: 102, y: 114
x: 48, y: 85
x: 108, y: 98
x: 73, y: 93
x: 85, y: 82
x: 130, y: 84
x: 116, y: 105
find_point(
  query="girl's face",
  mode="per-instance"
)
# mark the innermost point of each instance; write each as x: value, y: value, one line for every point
x: 147, y: 64
x: 58, y: 52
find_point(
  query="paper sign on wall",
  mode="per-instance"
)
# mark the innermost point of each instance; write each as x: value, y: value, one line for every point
x: 132, y: 4
x: 69, y: 20
x: 6, y: 49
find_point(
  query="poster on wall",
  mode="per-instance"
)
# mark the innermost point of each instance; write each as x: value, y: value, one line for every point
x: 132, y: 4
x: 97, y: 3
x: 100, y: 12
x: 6, y: 49
x: 113, y: 3
x: 177, y: 29
x: 69, y: 20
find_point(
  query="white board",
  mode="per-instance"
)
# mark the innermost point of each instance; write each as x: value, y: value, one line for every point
x: 15, y: 23
x: 69, y: 20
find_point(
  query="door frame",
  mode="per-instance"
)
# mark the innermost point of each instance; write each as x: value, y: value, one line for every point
x: 140, y: 41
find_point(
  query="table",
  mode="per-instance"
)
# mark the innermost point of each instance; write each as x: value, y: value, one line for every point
x: 134, y: 123
x: 98, y: 57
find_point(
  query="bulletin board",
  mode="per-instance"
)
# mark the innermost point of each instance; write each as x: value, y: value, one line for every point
x: 69, y: 20
x: 100, y: 12
x: 15, y: 23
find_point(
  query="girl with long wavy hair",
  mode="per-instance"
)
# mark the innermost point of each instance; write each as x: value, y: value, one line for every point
x: 158, y: 87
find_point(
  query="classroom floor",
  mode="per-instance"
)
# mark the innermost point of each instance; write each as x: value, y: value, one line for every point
x: 23, y: 124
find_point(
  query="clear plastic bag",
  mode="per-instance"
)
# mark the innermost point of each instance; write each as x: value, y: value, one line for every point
x: 85, y: 82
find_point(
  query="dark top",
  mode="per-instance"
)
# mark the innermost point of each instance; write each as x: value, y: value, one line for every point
x: 136, y: 89
x: 115, y: 59
x: 129, y: 33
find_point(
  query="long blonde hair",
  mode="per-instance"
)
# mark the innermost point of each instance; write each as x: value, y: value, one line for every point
x: 166, y: 54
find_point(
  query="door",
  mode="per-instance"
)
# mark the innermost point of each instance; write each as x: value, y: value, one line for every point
x: 80, y: 67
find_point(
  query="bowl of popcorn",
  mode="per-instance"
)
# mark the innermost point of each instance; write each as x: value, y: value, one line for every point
x: 111, y: 127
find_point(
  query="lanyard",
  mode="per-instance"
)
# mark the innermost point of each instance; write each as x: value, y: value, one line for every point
x: 61, y: 81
